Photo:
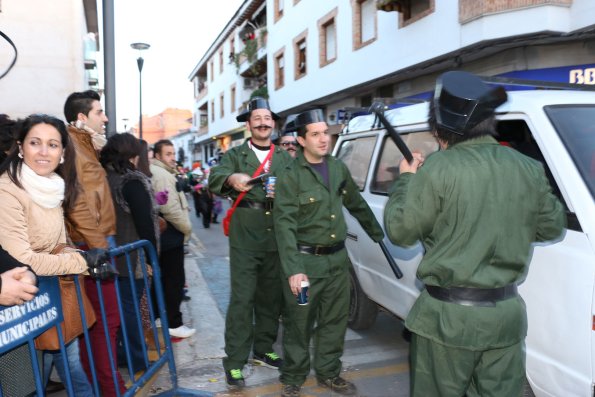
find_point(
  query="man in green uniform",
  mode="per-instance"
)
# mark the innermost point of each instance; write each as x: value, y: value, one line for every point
x: 256, y: 298
x: 476, y: 206
x: 311, y: 234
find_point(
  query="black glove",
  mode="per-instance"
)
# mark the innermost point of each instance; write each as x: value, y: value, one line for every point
x: 100, y: 267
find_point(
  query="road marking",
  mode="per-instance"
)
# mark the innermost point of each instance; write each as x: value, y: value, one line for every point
x: 312, y: 386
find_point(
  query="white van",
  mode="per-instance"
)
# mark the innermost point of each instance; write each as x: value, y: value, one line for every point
x: 556, y: 127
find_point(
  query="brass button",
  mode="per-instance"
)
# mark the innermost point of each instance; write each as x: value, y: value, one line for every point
x: 333, y: 236
x: 312, y: 199
x: 269, y: 229
x: 268, y: 213
x: 333, y: 216
x: 344, y: 191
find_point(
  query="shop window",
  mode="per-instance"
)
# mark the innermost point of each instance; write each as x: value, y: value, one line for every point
x: 365, y: 101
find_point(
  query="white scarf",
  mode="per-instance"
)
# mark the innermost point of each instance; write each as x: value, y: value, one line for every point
x: 46, y: 191
x: 99, y: 139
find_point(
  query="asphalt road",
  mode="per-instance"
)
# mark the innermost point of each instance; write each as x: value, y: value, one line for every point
x: 376, y: 360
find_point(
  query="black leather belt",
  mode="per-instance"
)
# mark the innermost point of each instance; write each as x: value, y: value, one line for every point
x: 320, y: 249
x: 473, y: 296
x: 256, y: 205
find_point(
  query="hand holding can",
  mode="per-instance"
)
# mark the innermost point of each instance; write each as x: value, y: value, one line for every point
x: 302, y: 297
x: 270, y: 186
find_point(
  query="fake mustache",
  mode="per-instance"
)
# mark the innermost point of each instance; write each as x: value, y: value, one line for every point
x: 263, y: 127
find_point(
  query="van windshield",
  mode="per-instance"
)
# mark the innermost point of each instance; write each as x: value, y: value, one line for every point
x: 575, y: 125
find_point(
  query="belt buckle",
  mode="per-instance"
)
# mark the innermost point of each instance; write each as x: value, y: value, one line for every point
x: 317, y: 250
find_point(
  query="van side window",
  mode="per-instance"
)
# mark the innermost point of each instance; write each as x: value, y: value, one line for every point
x: 516, y: 134
x: 357, y: 156
x: 387, y: 167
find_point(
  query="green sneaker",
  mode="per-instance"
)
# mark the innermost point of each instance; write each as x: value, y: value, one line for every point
x: 269, y: 360
x: 235, y: 378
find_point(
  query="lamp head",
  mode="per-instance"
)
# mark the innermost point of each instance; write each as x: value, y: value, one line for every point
x: 140, y: 46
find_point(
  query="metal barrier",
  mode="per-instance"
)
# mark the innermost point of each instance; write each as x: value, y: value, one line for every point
x: 20, y: 325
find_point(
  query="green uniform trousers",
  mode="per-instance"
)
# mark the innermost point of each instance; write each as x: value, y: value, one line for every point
x: 328, y: 307
x: 254, y: 306
x: 443, y: 371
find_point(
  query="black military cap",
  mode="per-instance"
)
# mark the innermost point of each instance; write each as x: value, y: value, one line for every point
x: 462, y: 100
x: 289, y: 127
x: 308, y: 117
x: 256, y: 103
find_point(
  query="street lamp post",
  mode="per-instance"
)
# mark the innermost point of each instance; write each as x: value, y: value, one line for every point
x: 140, y: 61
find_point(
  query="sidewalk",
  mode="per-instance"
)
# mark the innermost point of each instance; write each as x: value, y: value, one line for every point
x: 198, y: 358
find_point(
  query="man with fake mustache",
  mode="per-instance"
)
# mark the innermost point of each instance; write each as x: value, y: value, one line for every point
x: 256, y: 297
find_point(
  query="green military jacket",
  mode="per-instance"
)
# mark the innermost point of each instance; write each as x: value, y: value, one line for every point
x: 249, y: 228
x: 476, y: 207
x: 308, y: 212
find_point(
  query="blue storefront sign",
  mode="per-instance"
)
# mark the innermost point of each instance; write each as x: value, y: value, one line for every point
x: 574, y: 74
x: 20, y: 323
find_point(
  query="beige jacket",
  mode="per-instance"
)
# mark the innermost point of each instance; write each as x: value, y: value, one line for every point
x: 30, y: 232
x: 93, y: 217
x: 175, y: 210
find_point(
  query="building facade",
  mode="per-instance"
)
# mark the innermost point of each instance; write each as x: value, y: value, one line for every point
x: 57, y: 44
x: 343, y: 55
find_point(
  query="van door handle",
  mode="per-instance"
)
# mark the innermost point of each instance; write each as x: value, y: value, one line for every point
x: 352, y: 236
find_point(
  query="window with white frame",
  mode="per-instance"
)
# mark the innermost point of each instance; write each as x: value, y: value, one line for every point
x: 364, y: 22
x: 300, y: 53
x: 221, y: 105
x: 368, y: 10
x: 279, y: 69
x: 327, y: 34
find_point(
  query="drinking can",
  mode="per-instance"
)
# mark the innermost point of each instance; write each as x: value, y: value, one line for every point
x: 302, y: 297
x: 270, y: 186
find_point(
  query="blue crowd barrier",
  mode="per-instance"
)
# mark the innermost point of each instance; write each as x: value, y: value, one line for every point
x: 21, y: 324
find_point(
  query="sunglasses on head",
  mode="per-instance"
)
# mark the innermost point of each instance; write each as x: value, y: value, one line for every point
x: 289, y: 143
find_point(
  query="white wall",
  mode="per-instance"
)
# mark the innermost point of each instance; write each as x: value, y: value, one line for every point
x: 49, y: 38
x: 394, y: 49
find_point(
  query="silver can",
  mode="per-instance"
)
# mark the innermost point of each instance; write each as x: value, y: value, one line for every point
x: 302, y: 297
x: 270, y: 186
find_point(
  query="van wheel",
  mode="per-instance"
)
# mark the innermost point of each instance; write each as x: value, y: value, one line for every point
x: 362, y: 311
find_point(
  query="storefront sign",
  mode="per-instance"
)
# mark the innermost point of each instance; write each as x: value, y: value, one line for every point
x: 575, y: 74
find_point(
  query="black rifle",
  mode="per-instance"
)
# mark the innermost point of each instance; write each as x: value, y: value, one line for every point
x: 378, y: 109
x: 393, y: 265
